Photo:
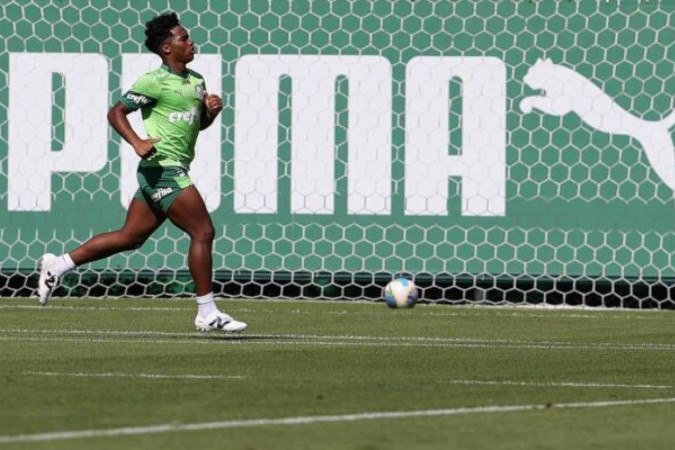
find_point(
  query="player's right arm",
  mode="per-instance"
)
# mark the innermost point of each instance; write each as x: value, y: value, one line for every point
x: 143, y: 94
x: 117, y: 117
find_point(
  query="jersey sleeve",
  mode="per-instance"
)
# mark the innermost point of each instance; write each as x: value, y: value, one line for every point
x: 144, y: 92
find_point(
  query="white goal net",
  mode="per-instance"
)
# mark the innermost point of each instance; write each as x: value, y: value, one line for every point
x: 511, y: 151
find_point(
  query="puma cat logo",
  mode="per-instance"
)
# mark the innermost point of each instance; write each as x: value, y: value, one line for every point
x: 564, y: 91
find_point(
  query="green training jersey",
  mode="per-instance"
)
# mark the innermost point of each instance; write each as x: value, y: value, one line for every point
x: 171, y: 106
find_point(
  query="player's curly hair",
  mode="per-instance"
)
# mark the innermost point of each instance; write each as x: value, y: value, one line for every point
x: 158, y: 30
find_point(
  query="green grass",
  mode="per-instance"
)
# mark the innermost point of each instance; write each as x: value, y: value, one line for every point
x: 111, y: 364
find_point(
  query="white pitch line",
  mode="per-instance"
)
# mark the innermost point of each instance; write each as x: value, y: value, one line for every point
x: 96, y: 332
x: 452, y: 381
x: 308, y: 420
x: 557, y: 384
x: 135, y: 375
x: 100, y: 308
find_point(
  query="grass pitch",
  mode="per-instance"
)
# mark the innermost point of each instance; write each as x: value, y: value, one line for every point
x: 122, y: 374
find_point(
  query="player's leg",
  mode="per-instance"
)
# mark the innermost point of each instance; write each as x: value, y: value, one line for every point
x: 188, y: 212
x: 140, y: 223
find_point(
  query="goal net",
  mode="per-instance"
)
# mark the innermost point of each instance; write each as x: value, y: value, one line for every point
x: 494, y: 152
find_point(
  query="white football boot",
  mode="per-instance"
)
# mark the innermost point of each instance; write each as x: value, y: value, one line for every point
x: 48, y: 280
x: 219, y: 321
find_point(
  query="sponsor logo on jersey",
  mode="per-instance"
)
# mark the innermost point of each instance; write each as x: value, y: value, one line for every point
x: 138, y: 99
x: 161, y: 193
x: 184, y: 116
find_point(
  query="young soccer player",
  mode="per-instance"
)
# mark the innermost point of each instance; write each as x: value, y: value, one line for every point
x: 175, y: 107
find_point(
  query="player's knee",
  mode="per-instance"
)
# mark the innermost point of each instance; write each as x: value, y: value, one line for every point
x: 204, y: 233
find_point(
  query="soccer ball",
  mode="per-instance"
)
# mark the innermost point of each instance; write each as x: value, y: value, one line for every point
x: 400, y: 293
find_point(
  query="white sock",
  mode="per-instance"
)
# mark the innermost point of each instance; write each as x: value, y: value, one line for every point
x: 63, y: 264
x: 206, y: 304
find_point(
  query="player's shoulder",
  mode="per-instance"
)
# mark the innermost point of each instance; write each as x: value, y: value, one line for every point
x: 152, y: 78
x: 158, y: 74
x: 195, y: 74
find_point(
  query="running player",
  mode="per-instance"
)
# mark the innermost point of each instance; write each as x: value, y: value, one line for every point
x: 175, y: 106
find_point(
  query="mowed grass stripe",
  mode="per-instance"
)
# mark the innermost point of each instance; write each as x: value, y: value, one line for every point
x: 346, y: 339
x: 235, y: 340
x: 308, y: 420
x: 431, y: 310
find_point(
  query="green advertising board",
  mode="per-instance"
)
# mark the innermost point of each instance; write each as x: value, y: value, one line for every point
x: 494, y: 151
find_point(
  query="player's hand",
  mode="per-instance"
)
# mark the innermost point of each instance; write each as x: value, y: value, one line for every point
x: 213, y: 103
x: 146, y: 147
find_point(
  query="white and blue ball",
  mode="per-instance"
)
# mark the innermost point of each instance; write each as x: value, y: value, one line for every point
x: 401, y: 293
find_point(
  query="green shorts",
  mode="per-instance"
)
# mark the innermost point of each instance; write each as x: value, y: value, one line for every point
x: 160, y: 186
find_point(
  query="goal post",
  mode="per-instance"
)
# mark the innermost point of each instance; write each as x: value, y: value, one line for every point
x: 495, y: 152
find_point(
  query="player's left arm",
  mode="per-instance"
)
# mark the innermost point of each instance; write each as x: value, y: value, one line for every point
x: 211, y: 107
